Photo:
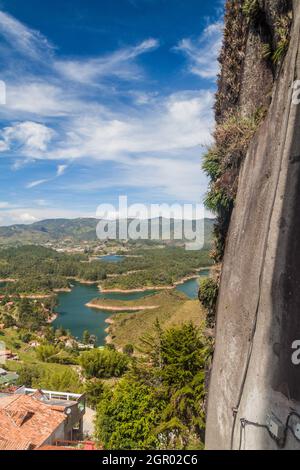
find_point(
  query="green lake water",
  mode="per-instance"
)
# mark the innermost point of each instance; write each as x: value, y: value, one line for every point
x: 111, y: 258
x: 73, y: 315
x: 76, y: 317
x: 191, y: 287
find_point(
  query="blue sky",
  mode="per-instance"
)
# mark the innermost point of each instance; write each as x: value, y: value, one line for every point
x: 104, y: 98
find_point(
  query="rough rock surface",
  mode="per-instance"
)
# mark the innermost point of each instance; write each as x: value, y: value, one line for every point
x: 258, y: 315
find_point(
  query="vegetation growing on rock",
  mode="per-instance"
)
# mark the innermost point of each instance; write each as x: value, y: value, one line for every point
x: 208, y: 296
x: 222, y: 163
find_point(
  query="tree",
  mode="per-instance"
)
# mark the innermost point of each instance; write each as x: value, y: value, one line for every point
x: 127, y: 417
x: 62, y: 381
x: 160, y: 402
x: 25, y: 336
x: 46, y: 351
x: 86, y: 337
x: 28, y: 375
x: 94, y: 390
x: 103, y: 363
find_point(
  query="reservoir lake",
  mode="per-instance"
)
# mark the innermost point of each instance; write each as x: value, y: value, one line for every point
x: 74, y: 316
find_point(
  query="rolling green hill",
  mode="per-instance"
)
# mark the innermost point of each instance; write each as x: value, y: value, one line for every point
x: 77, y: 230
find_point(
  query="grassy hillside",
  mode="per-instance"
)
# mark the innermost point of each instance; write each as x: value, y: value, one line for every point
x: 174, y: 308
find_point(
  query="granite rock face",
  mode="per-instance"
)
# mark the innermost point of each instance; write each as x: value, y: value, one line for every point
x: 258, y: 313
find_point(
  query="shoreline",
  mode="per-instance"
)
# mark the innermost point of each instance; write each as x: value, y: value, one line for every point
x: 53, y: 317
x: 121, y: 309
x: 108, y: 338
x: 144, y: 289
x: 34, y: 296
x: 82, y: 281
x: 124, y: 274
x: 62, y: 289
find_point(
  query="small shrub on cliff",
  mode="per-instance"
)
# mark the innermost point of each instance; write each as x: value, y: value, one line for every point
x: 231, y: 59
x: 211, y: 164
x: 251, y: 9
x: 282, y: 39
x: 232, y: 138
x: 282, y: 32
x: 266, y: 51
x: 208, y: 296
x: 221, y: 163
x: 216, y: 199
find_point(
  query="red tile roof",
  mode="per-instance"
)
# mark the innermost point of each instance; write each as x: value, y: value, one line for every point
x: 47, y: 447
x: 13, y: 445
x: 25, y: 421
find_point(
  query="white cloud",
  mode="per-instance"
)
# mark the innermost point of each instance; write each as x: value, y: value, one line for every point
x: 27, y: 218
x: 119, y: 64
x: 28, y: 138
x: 4, y: 146
x: 152, y: 176
x: 23, y: 39
x: 38, y: 98
x: 33, y: 184
x: 61, y: 169
x: 181, y: 121
x: 143, y: 97
x: 59, y: 172
x: 4, y: 205
x: 29, y: 215
x: 203, y: 53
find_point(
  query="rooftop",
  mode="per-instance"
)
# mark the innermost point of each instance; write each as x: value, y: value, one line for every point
x: 26, y: 422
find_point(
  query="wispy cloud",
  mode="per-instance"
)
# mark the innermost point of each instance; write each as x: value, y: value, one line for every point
x: 202, y: 53
x: 119, y: 64
x: 24, y: 39
x: 33, y: 184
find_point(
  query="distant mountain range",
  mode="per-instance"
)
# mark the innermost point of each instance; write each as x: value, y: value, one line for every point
x: 82, y: 229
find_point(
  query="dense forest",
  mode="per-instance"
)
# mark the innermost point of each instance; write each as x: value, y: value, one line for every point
x: 162, y: 267
x: 37, y: 269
